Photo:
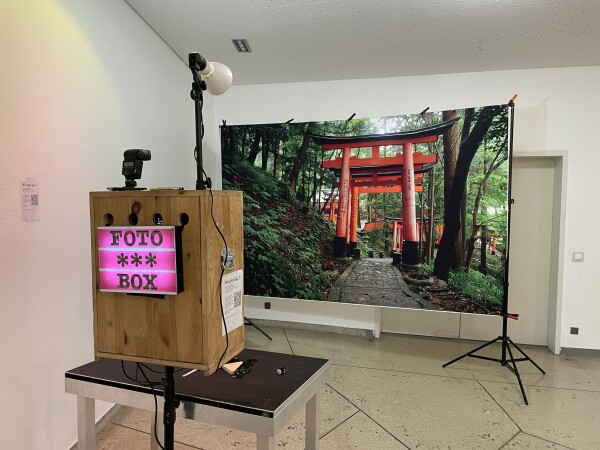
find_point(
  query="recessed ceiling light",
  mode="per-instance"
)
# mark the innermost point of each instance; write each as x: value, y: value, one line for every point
x: 241, y: 45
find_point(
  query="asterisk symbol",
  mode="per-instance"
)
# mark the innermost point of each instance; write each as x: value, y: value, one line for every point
x: 122, y: 259
x: 150, y: 259
x: 136, y: 259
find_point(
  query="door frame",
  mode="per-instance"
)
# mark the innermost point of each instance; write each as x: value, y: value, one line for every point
x: 557, y: 258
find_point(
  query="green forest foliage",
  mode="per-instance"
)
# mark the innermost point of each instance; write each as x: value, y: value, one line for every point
x: 474, y: 284
x: 477, y: 285
x: 284, y: 241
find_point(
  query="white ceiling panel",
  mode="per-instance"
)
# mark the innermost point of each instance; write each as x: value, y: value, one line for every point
x: 310, y: 40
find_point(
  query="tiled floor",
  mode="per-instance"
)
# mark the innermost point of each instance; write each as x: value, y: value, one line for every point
x: 392, y: 393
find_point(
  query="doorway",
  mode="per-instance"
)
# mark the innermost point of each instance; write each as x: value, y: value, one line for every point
x: 534, y: 246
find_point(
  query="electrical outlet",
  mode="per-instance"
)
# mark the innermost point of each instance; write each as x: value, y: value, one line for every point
x: 267, y: 305
x: 574, y: 330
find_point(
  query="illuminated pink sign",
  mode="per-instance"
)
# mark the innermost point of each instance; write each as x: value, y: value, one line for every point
x: 139, y: 260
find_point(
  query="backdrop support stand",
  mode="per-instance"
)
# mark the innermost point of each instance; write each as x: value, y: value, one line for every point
x: 249, y: 322
x: 510, y: 362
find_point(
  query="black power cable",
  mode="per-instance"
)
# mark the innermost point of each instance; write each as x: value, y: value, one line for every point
x: 155, y: 404
x: 149, y: 384
x: 209, y: 185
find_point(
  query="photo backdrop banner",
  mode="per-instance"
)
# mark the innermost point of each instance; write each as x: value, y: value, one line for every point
x: 408, y: 211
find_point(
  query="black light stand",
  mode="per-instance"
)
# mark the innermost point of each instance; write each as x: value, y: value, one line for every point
x: 197, y: 63
x: 169, y: 409
x: 511, y: 362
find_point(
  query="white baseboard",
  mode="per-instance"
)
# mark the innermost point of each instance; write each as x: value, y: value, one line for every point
x: 374, y: 319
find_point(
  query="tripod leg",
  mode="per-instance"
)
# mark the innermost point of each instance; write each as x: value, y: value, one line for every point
x: 249, y: 322
x: 516, y: 372
x: 472, y: 351
x: 526, y: 356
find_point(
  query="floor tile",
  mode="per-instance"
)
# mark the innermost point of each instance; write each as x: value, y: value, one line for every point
x: 566, y: 417
x: 334, y: 410
x: 190, y: 432
x: 524, y: 441
x: 116, y: 437
x: 402, y: 353
x: 589, y: 364
x: 428, y: 355
x: 255, y: 340
x: 360, y: 432
x: 426, y: 411
x: 561, y: 372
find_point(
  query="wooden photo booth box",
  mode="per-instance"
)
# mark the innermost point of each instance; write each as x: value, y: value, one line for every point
x: 156, y: 264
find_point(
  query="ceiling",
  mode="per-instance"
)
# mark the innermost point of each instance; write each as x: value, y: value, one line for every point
x: 313, y: 40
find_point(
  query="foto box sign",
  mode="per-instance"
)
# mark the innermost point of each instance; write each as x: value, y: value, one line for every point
x: 140, y: 260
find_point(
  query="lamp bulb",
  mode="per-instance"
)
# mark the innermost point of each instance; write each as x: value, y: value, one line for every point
x: 218, y: 78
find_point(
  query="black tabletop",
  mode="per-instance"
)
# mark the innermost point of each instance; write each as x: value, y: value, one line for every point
x: 261, y: 391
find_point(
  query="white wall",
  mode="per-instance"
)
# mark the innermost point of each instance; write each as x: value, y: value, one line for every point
x: 555, y: 112
x: 80, y: 82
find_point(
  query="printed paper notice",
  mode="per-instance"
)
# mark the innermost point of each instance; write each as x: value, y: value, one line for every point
x: 30, y: 208
x: 232, y: 289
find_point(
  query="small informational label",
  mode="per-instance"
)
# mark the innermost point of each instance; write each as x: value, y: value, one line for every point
x: 232, y: 290
x: 30, y: 207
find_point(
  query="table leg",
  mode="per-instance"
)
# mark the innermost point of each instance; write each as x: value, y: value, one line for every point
x: 160, y: 431
x: 313, y: 418
x: 265, y: 442
x: 86, y: 423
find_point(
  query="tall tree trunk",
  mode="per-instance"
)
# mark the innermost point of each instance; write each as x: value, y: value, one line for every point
x: 322, y: 173
x: 231, y: 139
x: 451, y: 141
x: 458, y: 258
x: 452, y: 212
x: 255, y: 146
x: 244, y: 142
x: 275, y: 159
x: 314, y: 189
x: 225, y: 146
x: 484, y: 242
x: 495, y: 164
x: 328, y: 199
x: 300, y: 159
x: 431, y: 227
x: 266, y: 147
x: 303, y: 197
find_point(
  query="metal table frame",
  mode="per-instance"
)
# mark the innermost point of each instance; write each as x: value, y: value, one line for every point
x: 264, y: 427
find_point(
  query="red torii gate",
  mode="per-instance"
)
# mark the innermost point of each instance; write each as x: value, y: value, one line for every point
x: 405, y: 162
x: 370, y: 189
x: 367, y: 180
x: 396, y: 227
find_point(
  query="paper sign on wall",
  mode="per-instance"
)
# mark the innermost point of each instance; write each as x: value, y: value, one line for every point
x: 30, y: 208
x: 232, y: 288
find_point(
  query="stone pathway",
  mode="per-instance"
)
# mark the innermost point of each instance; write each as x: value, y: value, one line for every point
x: 376, y: 282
